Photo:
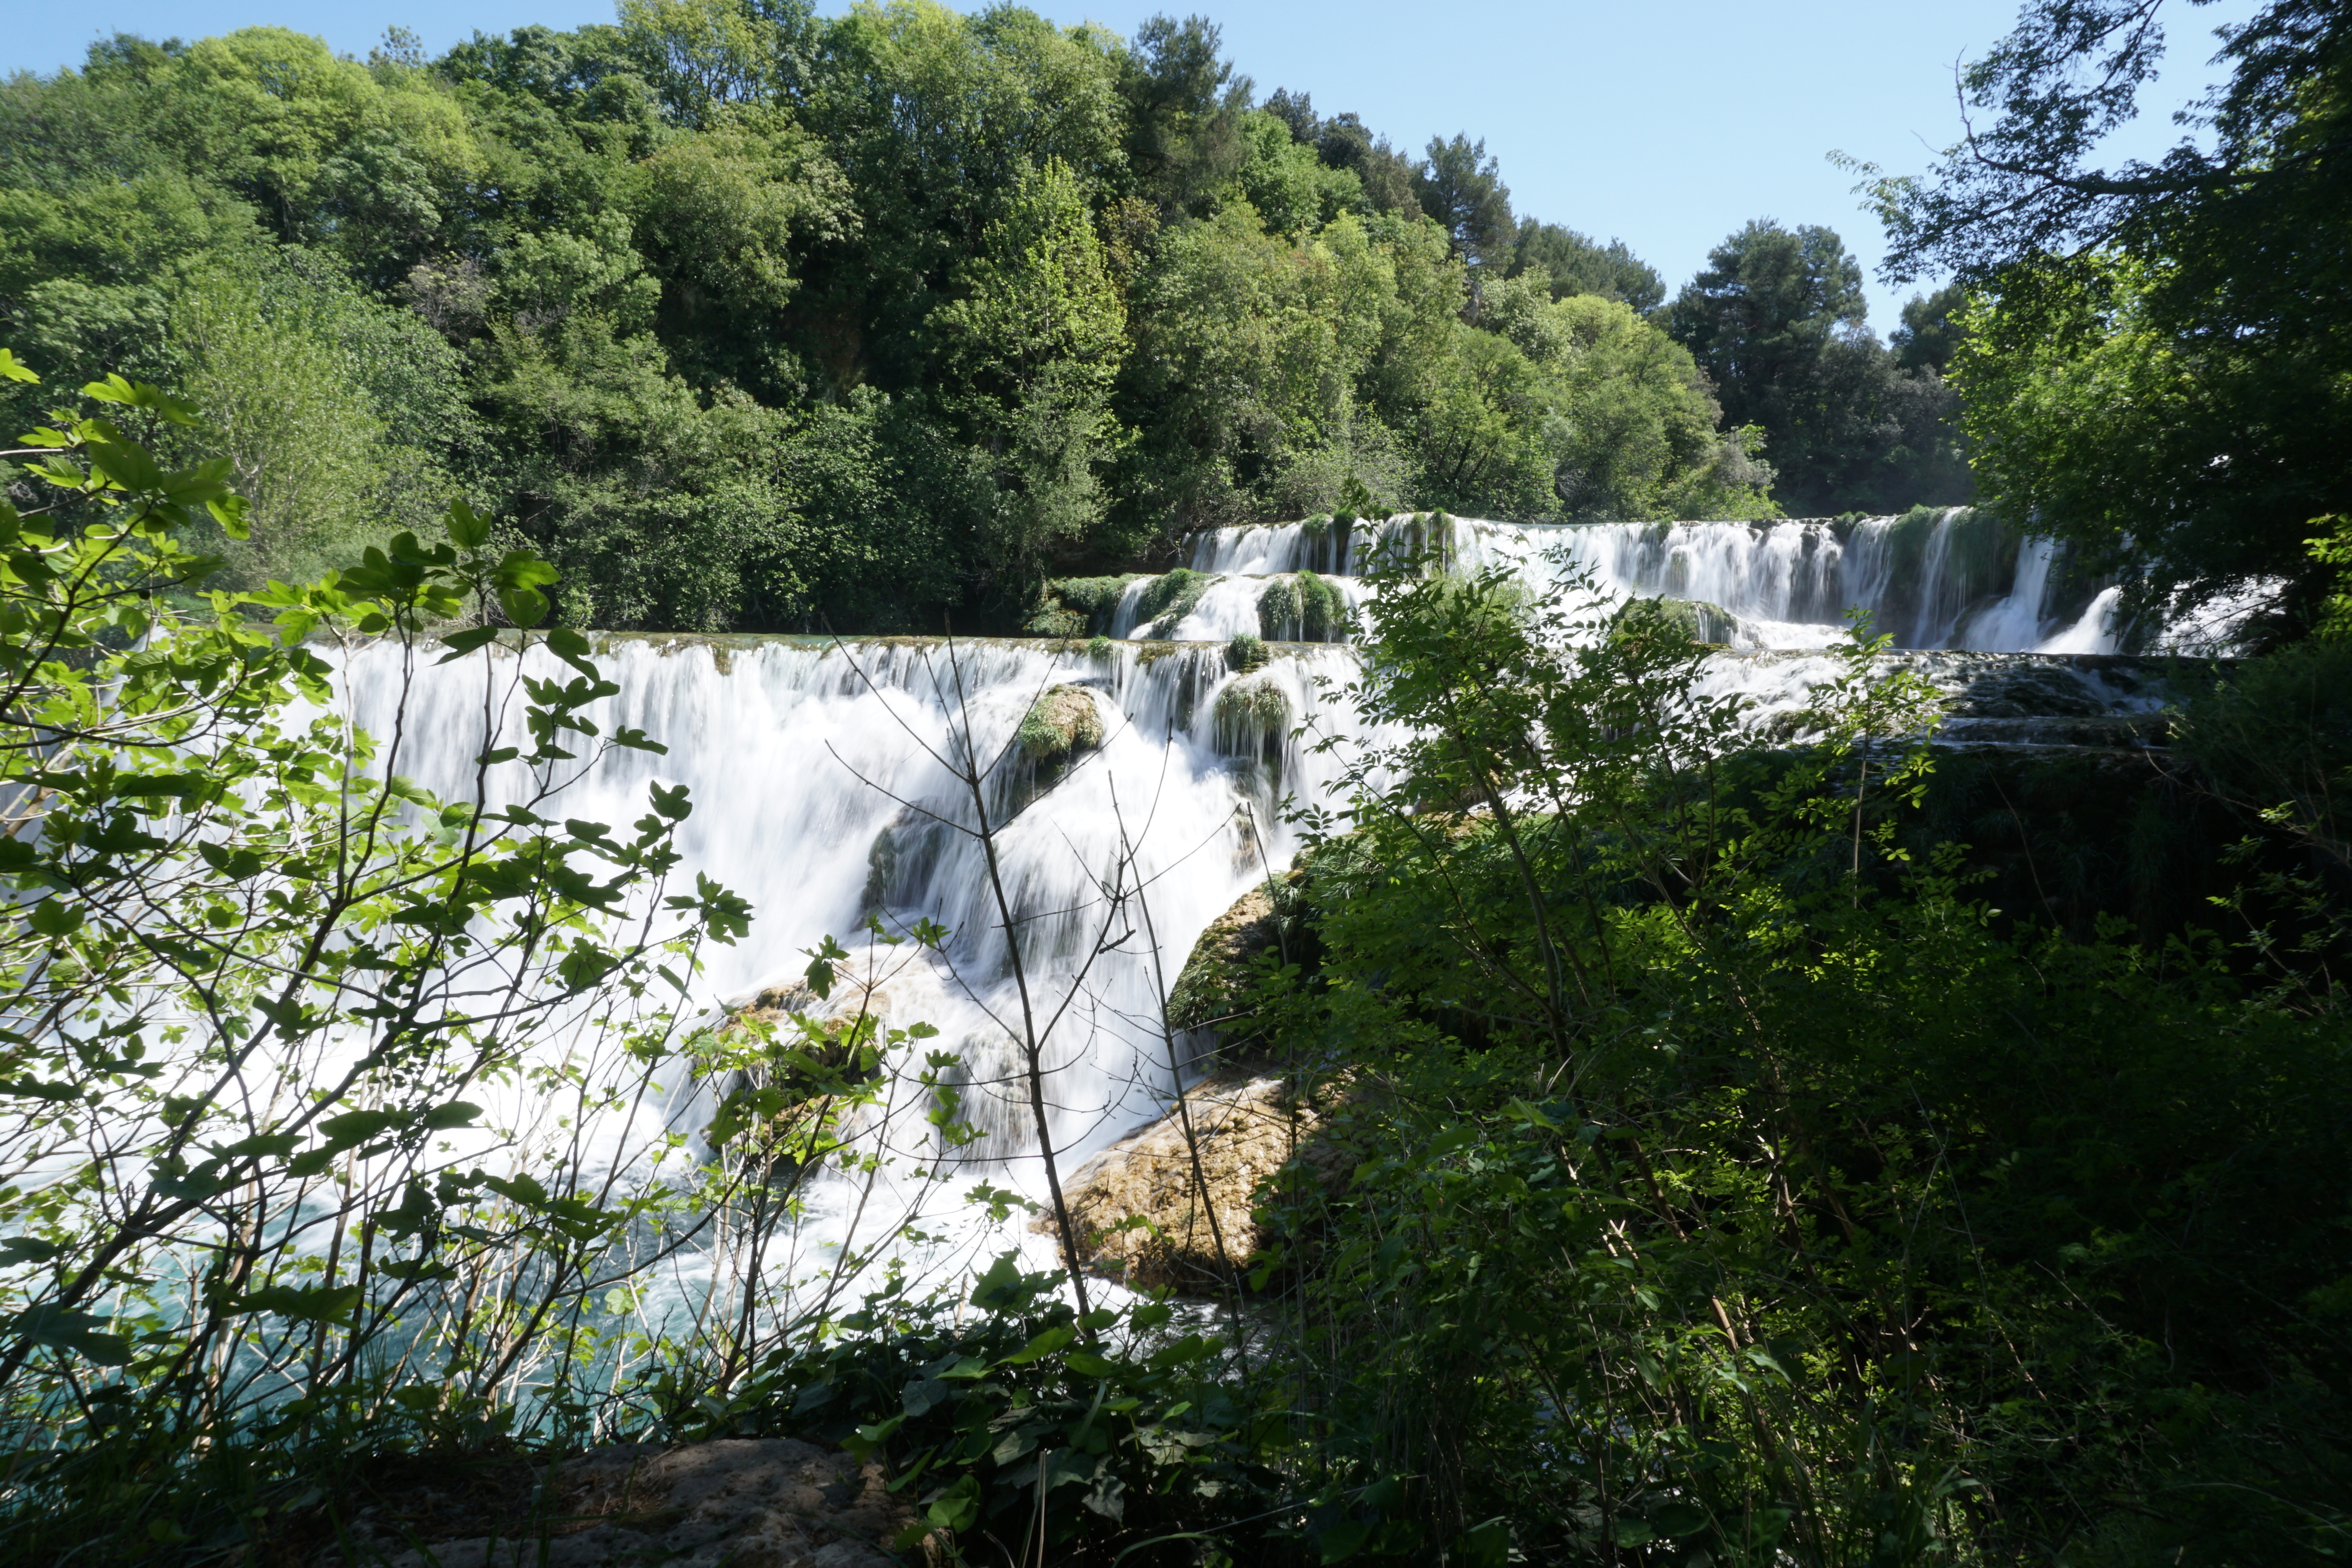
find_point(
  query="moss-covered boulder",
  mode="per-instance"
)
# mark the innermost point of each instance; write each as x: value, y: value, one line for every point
x: 1300, y: 607
x: 1210, y: 988
x: 1078, y: 606
x: 1695, y: 618
x: 1062, y: 724
x: 1169, y: 597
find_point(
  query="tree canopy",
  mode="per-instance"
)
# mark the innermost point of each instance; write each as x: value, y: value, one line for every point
x: 2163, y: 368
x: 745, y: 317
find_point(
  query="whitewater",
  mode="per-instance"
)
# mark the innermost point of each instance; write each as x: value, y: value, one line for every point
x: 826, y: 788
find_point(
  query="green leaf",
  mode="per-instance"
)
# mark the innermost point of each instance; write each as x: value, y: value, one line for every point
x: 313, y: 1304
x: 467, y: 528
x: 11, y: 371
x: 1045, y: 1344
x: 1337, y: 1542
x: 56, y: 1328
x: 139, y: 395
x: 27, y: 1248
x: 127, y: 464
x: 54, y: 918
x: 234, y: 514
x: 471, y: 640
x: 526, y: 607
x: 958, y: 1508
x: 572, y: 648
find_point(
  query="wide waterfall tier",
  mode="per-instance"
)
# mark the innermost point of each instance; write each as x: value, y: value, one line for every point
x: 825, y: 791
x: 1949, y: 579
x: 824, y: 785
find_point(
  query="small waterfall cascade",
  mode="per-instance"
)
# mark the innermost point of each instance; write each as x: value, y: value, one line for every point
x: 1954, y: 579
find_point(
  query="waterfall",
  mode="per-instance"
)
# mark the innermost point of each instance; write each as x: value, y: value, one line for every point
x: 823, y: 791
x: 820, y: 795
x: 1953, y: 579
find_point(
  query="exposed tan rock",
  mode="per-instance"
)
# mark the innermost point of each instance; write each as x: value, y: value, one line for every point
x: 742, y: 1502
x: 1246, y: 1130
x: 850, y: 997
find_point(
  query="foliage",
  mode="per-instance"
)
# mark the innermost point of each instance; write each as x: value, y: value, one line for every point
x: 2275, y: 735
x: 1776, y: 319
x: 300, y: 1054
x: 2187, y: 313
x: 752, y: 317
x: 1021, y: 1428
x: 2188, y: 462
x: 1735, y: 1184
x: 1573, y: 264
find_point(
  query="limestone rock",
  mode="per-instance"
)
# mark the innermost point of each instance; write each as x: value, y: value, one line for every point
x: 1247, y: 1129
x: 742, y: 1502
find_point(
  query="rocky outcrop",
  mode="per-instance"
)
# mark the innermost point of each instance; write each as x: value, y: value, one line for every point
x: 741, y: 1502
x: 1695, y: 619
x: 1138, y: 1208
x: 1209, y: 989
x: 1078, y: 606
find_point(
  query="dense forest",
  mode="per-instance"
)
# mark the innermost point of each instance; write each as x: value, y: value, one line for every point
x: 749, y: 319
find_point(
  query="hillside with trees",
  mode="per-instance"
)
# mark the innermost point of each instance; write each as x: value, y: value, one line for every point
x: 751, y: 319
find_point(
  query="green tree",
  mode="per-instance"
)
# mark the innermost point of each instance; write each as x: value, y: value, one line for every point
x: 1576, y: 265
x: 1463, y: 192
x: 1036, y: 342
x: 1777, y: 320
x: 334, y: 413
x: 2217, y: 270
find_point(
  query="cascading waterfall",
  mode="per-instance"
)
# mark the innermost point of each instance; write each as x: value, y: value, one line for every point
x: 825, y: 792
x: 821, y: 793
x: 1953, y: 579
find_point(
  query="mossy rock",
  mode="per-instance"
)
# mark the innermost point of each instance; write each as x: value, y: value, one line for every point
x: 1170, y: 598
x: 1300, y: 607
x: 1078, y: 606
x: 1209, y: 989
x: 1247, y: 706
x: 1061, y: 723
x: 1695, y: 618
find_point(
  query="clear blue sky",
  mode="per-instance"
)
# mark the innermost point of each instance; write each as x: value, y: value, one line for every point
x: 1667, y: 124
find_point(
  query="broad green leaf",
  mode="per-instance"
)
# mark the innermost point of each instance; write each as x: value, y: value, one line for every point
x: 467, y: 528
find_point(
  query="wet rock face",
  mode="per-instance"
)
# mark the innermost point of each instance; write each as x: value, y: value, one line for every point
x: 2100, y: 701
x: 1246, y: 1131
x: 739, y: 1502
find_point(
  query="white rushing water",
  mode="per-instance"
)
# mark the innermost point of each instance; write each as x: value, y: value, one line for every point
x: 1950, y: 580
x: 820, y: 795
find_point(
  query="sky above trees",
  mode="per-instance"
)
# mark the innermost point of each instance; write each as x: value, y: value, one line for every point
x: 1665, y: 125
